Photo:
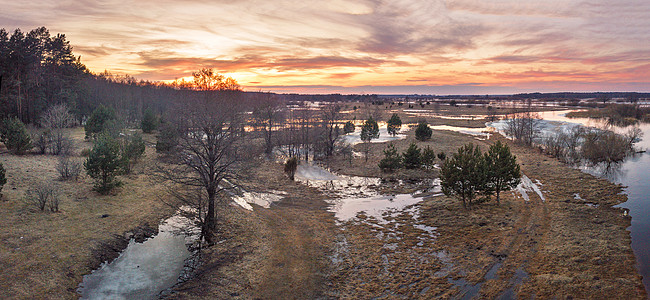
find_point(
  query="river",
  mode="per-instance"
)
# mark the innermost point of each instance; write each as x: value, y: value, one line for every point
x: 635, y: 175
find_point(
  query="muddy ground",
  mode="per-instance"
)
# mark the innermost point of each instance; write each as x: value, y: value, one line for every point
x: 564, y: 247
x: 560, y: 247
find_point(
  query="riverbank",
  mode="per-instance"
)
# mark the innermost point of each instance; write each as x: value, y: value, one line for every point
x: 565, y: 241
x: 279, y: 252
x: 46, y: 254
x: 568, y: 242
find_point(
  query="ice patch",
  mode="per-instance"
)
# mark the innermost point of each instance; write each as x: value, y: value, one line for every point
x: 526, y: 186
x: 355, y: 137
x: 262, y: 199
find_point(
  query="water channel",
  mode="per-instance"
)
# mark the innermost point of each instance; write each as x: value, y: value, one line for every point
x: 632, y: 173
x: 145, y: 269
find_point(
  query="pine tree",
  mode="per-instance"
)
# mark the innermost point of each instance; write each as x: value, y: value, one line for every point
x: 412, y: 159
x: 503, y: 172
x: 104, y: 164
x: 428, y: 157
x: 464, y: 174
x: 391, y: 161
x: 394, y: 124
x: 423, y: 132
x: 13, y: 134
x: 149, y: 121
x: 369, y: 130
x: 97, y: 120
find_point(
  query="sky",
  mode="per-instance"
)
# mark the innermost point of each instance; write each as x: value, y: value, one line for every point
x: 374, y: 46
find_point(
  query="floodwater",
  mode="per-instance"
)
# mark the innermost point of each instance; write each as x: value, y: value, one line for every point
x: 632, y: 173
x: 354, y: 138
x: 145, y: 269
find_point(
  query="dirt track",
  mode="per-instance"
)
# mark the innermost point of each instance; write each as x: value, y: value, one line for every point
x: 558, y: 248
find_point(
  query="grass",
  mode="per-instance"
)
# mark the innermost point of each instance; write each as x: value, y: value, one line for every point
x: 46, y: 254
x: 567, y: 248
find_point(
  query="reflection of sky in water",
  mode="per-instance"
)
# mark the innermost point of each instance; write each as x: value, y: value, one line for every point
x: 634, y: 173
x: 143, y: 269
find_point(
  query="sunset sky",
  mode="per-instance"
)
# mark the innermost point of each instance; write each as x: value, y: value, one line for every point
x: 340, y: 46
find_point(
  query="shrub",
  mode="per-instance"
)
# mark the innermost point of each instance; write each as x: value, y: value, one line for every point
x: 97, y: 120
x: 14, y: 135
x: 428, y: 158
x: 391, y: 161
x: 290, y: 167
x: 104, y: 164
x: 442, y: 156
x: 43, y: 141
x: 149, y: 122
x: 423, y: 132
x: 412, y: 159
x: 85, y: 152
x: 58, y: 116
x: 3, y: 177
x: 44, y: 195
x: 133, y: 148
x: 68, y: 168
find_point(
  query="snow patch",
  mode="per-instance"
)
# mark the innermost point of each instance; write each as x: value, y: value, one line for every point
x: 527, y: 186
x: 262, y: 199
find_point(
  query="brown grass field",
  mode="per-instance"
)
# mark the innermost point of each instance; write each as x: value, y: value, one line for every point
x: 566, y: 248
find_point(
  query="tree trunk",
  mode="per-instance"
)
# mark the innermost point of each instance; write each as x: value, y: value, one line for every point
x: 210, y: 220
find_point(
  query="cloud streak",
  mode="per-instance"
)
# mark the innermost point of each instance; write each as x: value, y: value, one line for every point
x: 356, y: 46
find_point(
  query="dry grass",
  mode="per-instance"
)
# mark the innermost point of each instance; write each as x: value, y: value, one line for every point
x: 45, y: 255
x: 568, y: 248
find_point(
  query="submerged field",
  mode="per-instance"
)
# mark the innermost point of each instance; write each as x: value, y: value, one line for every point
x: 567, y: 242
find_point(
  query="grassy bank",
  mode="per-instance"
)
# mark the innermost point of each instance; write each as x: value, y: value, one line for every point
x: 46, y: 254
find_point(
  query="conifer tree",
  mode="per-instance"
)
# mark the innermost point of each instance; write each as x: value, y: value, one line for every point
x: 503, y: 172
x: 394, y: 124
x: 412, y: 159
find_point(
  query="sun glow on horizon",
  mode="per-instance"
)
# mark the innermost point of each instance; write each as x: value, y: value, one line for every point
x: 403, y: 45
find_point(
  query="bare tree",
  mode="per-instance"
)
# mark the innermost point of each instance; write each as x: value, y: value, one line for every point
x: 268, y: 113
x: 206, y: 158
x: 58, y: 116
x: 523, y: 127
x: 330, y: 117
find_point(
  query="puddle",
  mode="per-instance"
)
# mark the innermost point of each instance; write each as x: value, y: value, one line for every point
x: 483, y: 132
x: 145, y: 269
x: 467, y: 290
x: 348, y: 208
x: 492, y: 273
x: 577, y: 197
x: 354, y: 138
x: 516, y: 280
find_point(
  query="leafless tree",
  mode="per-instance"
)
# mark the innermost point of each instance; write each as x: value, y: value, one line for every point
x: 523, y: 127
x: 58, y: 116
x: 268, y: 113
x: 330, y: 118
x: 206, y: 159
